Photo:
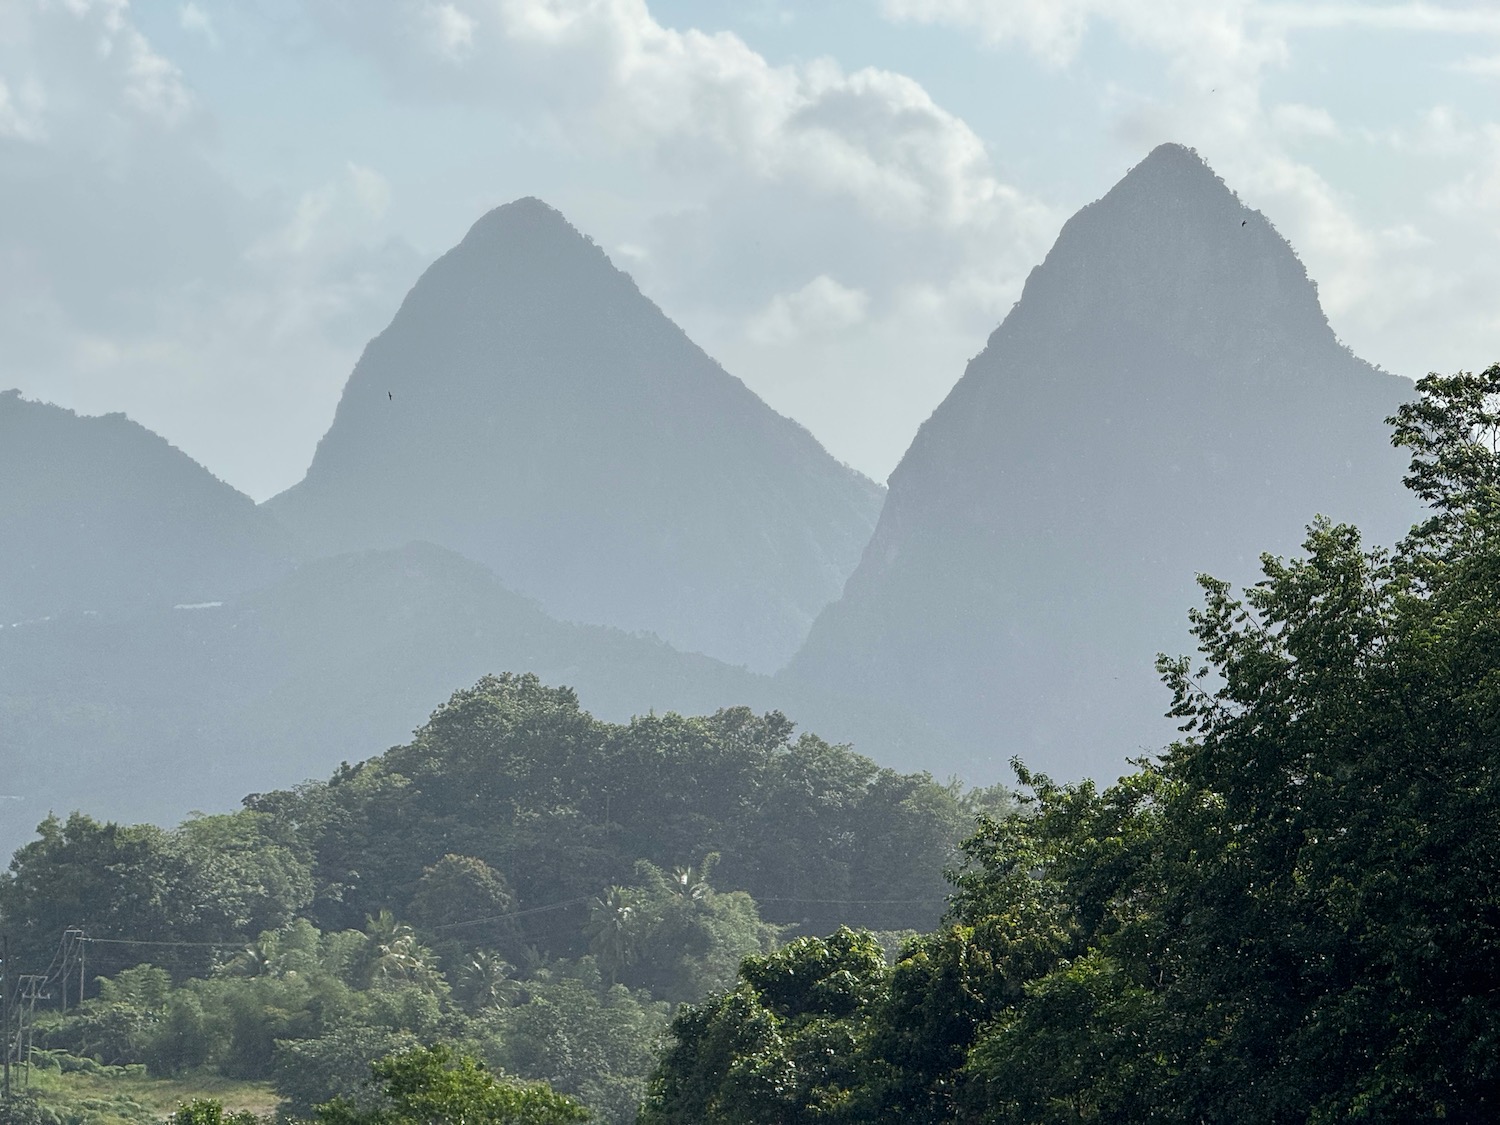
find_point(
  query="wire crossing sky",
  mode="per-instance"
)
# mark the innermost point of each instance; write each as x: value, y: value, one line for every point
x: 211, y: 207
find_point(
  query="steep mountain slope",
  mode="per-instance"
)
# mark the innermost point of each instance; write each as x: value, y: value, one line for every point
x: 1166, y: 398
x: 530, y: 409
x: 101, y: 514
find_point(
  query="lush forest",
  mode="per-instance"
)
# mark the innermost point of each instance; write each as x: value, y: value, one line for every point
x: 521, y: 879
x: 1288, y: 915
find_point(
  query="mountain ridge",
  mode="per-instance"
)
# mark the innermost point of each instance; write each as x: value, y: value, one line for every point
x: 100, y: 513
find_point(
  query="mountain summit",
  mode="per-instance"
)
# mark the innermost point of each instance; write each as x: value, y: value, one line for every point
x: 529, y: 408
x: 1167, y: 398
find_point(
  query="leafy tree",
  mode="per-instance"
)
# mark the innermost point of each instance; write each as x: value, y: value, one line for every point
x: 209, y: 1111
x: 433, y: 1086
x: 783, y: 1047
x: 23, y: 1108
x: 335, y: 1066
x: 593, y: 1042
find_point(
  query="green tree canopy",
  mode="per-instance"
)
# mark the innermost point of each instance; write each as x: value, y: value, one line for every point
x: 435, y: 1086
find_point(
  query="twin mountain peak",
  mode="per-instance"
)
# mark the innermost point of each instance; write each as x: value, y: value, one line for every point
x: 1166, y: 398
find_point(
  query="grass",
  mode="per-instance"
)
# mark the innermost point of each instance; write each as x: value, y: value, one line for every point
x: 115, y: 1095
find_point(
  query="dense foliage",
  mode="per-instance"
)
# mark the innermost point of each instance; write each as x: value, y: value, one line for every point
x: 427, y: 1085
x: 1293, y: 915
x: 521, y: 879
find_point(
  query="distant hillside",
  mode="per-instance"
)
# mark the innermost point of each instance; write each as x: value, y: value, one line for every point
x: 151, y: 715
x: 530, y: 409
x: 1167, y: 398
x: 101, y: 514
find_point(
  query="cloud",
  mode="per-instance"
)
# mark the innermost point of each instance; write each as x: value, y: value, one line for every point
x: 1054, y: 29
x: 1482, y: 66
x: 697, y: 103
x: 822, y: 307
x: 1300, y: 122
x: 1207, y: 39
x: 21, y: 112
x: 1447, y: 19
x: 195, y: 20
x: 450, y: 31
x: 1478, y: 189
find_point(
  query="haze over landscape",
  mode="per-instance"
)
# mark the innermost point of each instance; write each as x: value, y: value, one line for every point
x: 575, y: 586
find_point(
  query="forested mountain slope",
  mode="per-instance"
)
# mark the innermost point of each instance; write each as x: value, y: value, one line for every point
x: 1167, y: 398
x: 530, y: 409
x: 101, y: 514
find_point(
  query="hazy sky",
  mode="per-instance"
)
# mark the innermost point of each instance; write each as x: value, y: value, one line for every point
x: 207, y: 208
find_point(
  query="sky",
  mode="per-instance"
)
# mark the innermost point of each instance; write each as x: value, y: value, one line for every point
x: 208, y: 208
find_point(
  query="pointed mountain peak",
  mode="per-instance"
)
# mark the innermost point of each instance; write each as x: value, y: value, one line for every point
x: 1177, y: 165
x: 530, y: 234
x: 531, y: 409
x: 527, y: 215
x: 523, y: 254
x: 1170, y: 250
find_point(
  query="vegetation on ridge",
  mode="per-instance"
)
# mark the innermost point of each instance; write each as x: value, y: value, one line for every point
x: 522, y: 880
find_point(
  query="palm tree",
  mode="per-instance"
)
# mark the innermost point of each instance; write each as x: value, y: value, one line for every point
x: 396, y: 954
x: 258, y: 959
x: 611, y: 930
x: 489, y: 981
x: 693, y: 883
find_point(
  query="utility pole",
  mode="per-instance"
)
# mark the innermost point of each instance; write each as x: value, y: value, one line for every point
x: 31, y: 985
x: 5, y: 1007
x: 72, y: 944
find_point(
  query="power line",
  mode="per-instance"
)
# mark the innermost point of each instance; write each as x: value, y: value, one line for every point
x: 514, y: 914
x: 859, y: 901
x: 144, y: 941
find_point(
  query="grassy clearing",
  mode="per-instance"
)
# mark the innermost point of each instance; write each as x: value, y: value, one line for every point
x: 113, y: 1095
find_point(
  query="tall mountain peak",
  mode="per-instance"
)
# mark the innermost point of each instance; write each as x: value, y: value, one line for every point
x: 1167, y: 398
x: 529, y: 234
x: 1171, y: 250
x: 530, y: 409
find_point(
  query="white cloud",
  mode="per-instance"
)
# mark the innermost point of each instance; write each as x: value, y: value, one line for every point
x: 1054, y: 29
x: 195, y: 20
x: 371, y: 190
x: 699, y: 103
x: 822, y: 307
x: 1210, y: 40
x: 1299, y: 122
x: 1478, y: 190
x: 1448, y: 19
x: 21, y: 112
x: 1482, y: 66
x: 449, y: 31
